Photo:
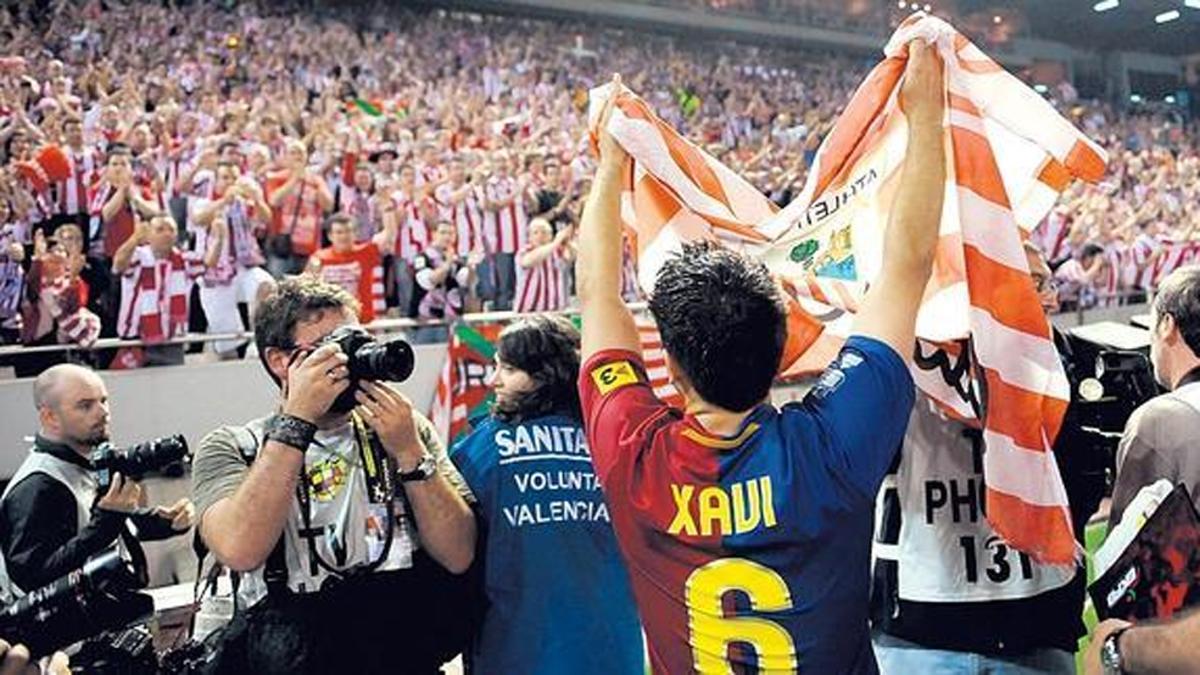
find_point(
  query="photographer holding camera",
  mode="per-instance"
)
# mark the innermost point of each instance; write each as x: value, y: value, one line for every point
x: 341, y: 515
x: 1159, y: 439
x: 55, y: 513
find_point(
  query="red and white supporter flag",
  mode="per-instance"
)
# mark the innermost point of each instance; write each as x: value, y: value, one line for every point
x: 1009, y: 155
x: 655, y: 360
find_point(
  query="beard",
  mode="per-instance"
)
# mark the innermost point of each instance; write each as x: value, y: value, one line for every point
x: 94, y: 437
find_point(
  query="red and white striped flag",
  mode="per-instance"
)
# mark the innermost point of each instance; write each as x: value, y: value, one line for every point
x: 1009, y: 155
x: 655, y: 360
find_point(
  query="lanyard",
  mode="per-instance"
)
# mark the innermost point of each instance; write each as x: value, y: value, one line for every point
x: 380, y: 488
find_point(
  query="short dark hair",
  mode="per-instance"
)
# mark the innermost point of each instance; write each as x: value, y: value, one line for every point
x: 1090, y: 250
x: 294, y: 299
x: 115, y: 149
x: 1179, y: 297
x: 723, y: 321
x: 547, y: 348
x: 340, y: 217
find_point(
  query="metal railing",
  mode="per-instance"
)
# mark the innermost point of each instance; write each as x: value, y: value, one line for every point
x: 383, y: 326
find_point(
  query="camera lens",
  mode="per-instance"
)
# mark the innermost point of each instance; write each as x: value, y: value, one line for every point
x: 141, y: 459
x: 391, y: 361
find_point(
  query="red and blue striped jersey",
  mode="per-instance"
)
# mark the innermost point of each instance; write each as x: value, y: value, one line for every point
x: 750, y: 552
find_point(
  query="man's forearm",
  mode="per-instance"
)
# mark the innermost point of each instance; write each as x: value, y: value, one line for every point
x: 537, y: 255
x: 1162, y: 649
x: 113, y: 205
x: 445, y: 522
x: 262, y: 209
x: 242, y: 529
x: 144, y: 207
x: 910, y: 241
x: 284, y: 191
x: 212, y: 255
x: 324, y: 196
x: 124, y: 255
x: 598, y: 270
x: 207, y: 211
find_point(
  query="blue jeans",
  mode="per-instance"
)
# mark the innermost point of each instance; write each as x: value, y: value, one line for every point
x: 901, y: 657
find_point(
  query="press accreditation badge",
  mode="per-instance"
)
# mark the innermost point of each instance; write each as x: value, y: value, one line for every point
x: 399, y: 556
x: 947, y: 550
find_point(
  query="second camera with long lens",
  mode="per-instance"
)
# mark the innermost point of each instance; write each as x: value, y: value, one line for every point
x: 98, y: 597
x: 166, y: 455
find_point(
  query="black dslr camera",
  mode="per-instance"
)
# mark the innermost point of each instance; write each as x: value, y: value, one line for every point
x: 98, y: 597
x: 370, y: 360
x: 162, y: 455
x: 1111, y: 374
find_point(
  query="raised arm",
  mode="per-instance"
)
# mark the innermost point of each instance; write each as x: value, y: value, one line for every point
x: 207, y: 209
x: 143, y: 206
x: 219, y: 234
x: 607, y: 322
x: 890, y: 308
x: 124, y: 254
x: 536, y: 255
x: 115, y: 203
x: 385, y: 239
x: 283, y: 191
x: 324, y: 196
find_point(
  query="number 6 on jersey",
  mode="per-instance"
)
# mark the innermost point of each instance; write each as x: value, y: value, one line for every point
x: 712, y: 632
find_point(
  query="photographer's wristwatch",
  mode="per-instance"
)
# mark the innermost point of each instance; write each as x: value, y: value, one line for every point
x: 1110, y: 654
x: 424, y: 470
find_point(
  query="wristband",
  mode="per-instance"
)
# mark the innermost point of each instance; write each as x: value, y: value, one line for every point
x: 291, y: 431
x: 1111, y: 659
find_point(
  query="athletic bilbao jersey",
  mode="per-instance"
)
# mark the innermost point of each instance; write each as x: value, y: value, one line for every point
x: 750, y: 552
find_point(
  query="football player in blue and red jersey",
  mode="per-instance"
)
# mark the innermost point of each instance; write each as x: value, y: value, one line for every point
x: 746, y: 529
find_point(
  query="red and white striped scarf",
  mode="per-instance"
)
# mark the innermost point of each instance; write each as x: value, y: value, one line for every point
x: 64, y: 298
x: 72, y: 194
x: 655, y: 360
x: 154, y: 301
x: 1171, y: 256
x: 413, y: 234
x: 1009, y: 156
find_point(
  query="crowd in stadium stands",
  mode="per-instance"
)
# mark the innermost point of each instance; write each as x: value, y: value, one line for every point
x: 859, y: 16
x: 157, y: 161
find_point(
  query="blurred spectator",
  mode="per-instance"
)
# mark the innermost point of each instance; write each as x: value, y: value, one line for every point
x: 156, y: 278
x: 542, y: 285
x: 356, y: 267
x: 299, y: 198
x: 442, y: 276
x: 236, y: 276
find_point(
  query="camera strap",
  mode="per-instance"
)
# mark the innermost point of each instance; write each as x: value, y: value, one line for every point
x: 137, y: 554
x: 381, y: 488
x: 299, y: 205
